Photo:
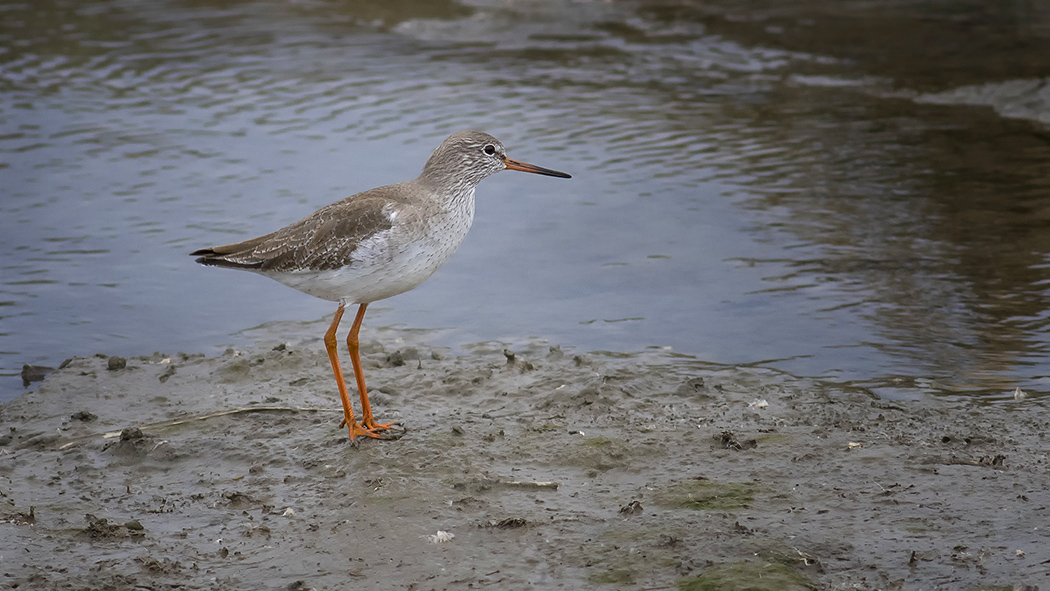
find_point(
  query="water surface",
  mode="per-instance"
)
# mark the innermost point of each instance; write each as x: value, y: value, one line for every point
x: 797, y: 188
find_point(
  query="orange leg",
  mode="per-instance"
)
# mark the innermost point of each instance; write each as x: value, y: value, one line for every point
x: 352, y: 343
x: 333, y: 356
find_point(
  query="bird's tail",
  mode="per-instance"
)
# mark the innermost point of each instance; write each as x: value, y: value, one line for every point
x: 240, y: 255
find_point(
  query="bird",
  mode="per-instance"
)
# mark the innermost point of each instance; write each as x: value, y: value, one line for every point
x: 375, y: 245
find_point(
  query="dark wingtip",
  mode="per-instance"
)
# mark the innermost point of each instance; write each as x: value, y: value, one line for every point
x: 204, y: 257
x: 210, y: 259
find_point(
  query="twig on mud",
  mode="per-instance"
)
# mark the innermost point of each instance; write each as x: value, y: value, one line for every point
x: 176, y: 422
x: 535, y: 485
x: 806, y: 558
x: 998, y: 460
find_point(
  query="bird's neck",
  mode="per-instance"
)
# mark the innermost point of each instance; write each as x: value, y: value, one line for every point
x: 447, y: 194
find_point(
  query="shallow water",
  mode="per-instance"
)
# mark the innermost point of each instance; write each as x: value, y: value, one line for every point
x: 752, y: 185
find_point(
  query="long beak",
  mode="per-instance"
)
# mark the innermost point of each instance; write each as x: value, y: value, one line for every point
x: 523, y: 167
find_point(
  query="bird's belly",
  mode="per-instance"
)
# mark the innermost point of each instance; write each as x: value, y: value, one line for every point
x: 382, y: 267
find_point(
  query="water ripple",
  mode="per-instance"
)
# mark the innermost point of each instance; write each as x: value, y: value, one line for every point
x: 788, y: 193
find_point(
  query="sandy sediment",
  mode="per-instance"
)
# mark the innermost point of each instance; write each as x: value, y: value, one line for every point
x: 542, y: 469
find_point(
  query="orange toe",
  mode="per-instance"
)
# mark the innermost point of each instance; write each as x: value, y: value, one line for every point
x: 375, y: 430
x: 357, y: 430
x: 383, y: 430
x: 378, y: 426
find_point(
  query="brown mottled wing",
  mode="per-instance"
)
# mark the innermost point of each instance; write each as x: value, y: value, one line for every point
x: 326, y: 239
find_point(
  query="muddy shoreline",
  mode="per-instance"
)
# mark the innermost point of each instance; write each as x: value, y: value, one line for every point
x: 549, y: 468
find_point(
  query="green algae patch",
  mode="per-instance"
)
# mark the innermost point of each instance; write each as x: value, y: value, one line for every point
x: 598, y: 454
x: 618, y: 576
x: 706, y: 495
x: 626, y: 555
x: 748, y: 576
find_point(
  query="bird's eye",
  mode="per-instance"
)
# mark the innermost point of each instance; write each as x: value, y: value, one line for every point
x: 490, y: 149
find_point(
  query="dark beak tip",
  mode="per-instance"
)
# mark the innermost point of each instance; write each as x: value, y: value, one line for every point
x: 554, y: 173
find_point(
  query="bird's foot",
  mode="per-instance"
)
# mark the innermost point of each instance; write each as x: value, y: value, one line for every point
x: 369, y: 428
x: 386, y: 431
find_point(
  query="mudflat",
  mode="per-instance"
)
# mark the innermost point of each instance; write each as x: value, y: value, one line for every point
x: 528, y: 467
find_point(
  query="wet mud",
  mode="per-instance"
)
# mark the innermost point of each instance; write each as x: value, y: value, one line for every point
x: 532, y: 468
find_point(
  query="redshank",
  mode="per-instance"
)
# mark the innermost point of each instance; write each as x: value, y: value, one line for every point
x: 375, y: 245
